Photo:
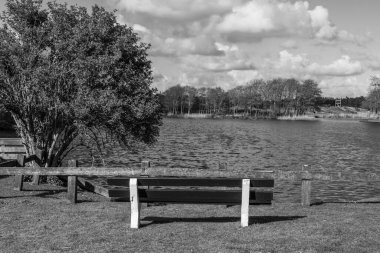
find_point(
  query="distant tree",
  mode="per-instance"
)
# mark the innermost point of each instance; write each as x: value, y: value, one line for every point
x: 174, y: 98
x: 373, y: 98
x: 215, y: 98
x: 67, y: 75
x: 309, y: 93
x: 190, y: 93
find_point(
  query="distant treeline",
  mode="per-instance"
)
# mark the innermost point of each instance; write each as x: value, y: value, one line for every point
x: 259, y: 97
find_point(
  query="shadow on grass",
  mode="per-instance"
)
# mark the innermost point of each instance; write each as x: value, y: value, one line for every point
x: 252, y: 219
x: 42, y: 194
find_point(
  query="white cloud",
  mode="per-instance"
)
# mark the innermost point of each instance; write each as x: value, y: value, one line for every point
x: 341, y: 67
x: 289, y: 44
x: 301, y: 66
x: 140, y: 28
x: 226, y: 47
x: 337, y: 87
x: 253, y: 17
x: 271, y: 18
x: 178, y: 9
x: 243, y: 77
x: 232, y: 60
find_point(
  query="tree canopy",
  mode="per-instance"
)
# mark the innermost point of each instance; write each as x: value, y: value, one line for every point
x: 66, y: 74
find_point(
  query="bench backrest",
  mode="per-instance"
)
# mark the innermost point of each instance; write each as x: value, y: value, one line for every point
x: 10, y: 148
x: 198, y: 190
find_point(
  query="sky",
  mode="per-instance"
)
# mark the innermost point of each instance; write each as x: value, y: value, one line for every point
x: 226, y: 43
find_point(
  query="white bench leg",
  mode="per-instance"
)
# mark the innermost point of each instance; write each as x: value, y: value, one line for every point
x: 245, y: 202
x: 135, y: 203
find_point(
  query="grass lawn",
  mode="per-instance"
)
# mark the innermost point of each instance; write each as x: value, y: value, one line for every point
x: 43, y: 221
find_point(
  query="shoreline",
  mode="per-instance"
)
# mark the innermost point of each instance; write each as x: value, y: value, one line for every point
x: 305, y: 117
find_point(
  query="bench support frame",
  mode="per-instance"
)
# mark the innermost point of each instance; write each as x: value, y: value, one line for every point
x: 136, y: 205
x: 245, y: 202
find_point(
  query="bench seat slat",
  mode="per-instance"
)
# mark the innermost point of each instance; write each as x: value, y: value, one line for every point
x: 186, y: 196
x: 209, y: 182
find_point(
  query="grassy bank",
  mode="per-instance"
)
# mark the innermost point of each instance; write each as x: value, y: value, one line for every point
x: 43, y: 221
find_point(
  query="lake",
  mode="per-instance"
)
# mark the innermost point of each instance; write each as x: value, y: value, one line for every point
x: 325, y: 145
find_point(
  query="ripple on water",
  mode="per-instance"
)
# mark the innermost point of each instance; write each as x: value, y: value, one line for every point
x: 253, y: 145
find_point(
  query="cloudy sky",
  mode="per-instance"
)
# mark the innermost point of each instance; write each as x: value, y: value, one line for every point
x: 208, y: 43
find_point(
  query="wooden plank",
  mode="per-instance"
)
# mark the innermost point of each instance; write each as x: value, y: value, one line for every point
x: 11, y: 163
x: 19, y: 179
x: 194, y: 196
x: 30, y: 159
x: 72, y: 184
x: 306, y: 192
x: 36, y: 178
x: 12, y: 149
x: 165, y: 172
x: 135, y: 203
x: 115, y: 193
x: 208, y: 182
x: 11, y: 141
x: 245, y: 202
x: 9, y: 156
x: 93, y: 186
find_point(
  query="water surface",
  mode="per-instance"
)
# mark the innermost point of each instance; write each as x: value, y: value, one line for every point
x: 325, y: 145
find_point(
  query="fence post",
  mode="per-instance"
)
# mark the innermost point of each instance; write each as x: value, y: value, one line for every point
x: 36, y: 178
x: 144, y: 166
x: 306, y: 188
x: 2, y: 150
x: 72, y: 183
x: 19, y: 179
x: 223, y: 165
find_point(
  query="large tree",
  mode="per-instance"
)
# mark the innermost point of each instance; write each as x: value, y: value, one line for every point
x: 69, y: 75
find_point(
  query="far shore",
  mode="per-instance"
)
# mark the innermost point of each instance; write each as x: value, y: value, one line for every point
x: 326, y: 113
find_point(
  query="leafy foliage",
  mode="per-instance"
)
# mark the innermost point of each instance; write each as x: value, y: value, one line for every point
x: 67, y: 75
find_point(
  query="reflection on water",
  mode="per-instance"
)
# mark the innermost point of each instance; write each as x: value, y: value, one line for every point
x: 268, y: 144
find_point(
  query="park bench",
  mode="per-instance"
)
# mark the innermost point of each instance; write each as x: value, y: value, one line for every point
x: 10, y: 148
x: 185, y: 190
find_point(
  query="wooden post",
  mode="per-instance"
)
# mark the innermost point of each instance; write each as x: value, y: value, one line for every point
x: 223, y: 165
x: 72, y: 184
x: 246, y: 183
x: 36, y: 178
x: 144, y: 166
x: 135, y: 203
x: 306, y: 188
x: 306, y: 192
x: 19, y: 179
x: 2, y: 150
